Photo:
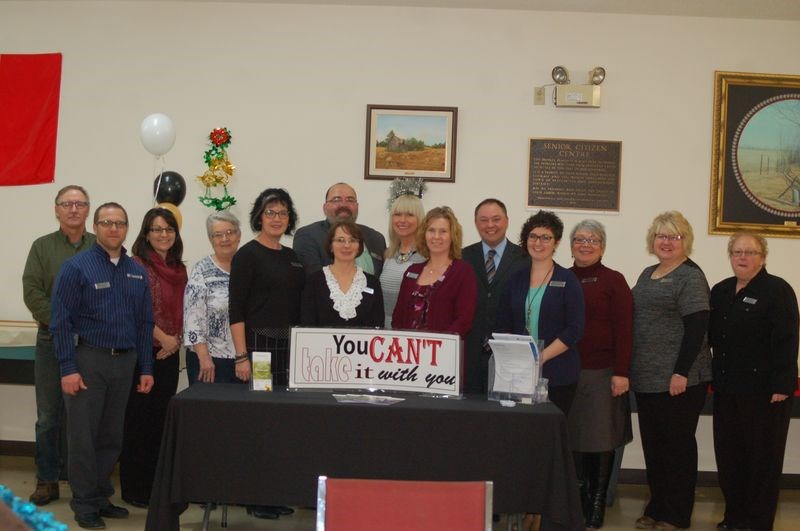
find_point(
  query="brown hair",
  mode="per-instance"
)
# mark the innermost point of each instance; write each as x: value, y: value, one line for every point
x: 350, y: 228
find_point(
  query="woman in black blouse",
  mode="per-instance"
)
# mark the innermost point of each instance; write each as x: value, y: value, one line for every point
x: 267, y: 281
x: 754, y: 337
x: 342, y: 294
x: 266, y: 285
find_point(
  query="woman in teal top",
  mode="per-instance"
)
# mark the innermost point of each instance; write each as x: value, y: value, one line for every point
x: 545, y: 301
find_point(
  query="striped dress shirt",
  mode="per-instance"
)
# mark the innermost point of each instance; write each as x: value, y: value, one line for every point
x: 104, y: 305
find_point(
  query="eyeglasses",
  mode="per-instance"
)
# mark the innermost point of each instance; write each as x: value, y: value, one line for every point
x: 586, y: 241
x: 80, y: 205
x: 342, y: 241
x: 162, y: 230
x: 282, y: 214
x: 350, y: 200
x: 107, y: 224
x: 738, y: 253
x: 544, y: 238
x: 669, y: 237
x: 230, y: 233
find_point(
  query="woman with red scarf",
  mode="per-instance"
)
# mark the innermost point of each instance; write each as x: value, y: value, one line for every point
x: 158, y: 248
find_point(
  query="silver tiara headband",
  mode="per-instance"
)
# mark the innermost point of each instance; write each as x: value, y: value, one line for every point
x: 405, y: 186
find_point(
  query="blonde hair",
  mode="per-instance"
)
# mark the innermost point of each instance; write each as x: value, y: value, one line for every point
x: 670, y: 222
x: 455, y: 232
x: 405, y: 204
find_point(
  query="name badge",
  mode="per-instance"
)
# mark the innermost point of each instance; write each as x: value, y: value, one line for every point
x: 750, y: 300
x: 412, y: 275
x: 131, y: 275
x: 587, y: 280
x: 102, y: 285
x: 665, y: 280
x: 369, y: 290
x: 296, y: 264
x: 557, y: 283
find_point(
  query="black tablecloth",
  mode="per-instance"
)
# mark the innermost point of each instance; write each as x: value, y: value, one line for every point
x: 227, y: 444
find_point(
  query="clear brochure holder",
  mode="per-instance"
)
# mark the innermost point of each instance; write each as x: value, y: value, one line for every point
x: 515, y: 368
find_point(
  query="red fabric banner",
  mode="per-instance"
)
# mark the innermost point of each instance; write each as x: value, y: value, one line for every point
x: 30, y: 86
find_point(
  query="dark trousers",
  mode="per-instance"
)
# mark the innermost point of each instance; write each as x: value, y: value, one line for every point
x: 51, y: 427
x: 95, y: 419
x: 667, y: 426
x: 224, y: 369
x: 749, y: 443
x: 562, y: 396
x: 144, y: 425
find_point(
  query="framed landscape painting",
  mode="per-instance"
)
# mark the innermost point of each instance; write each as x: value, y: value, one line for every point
x: 409, y: 141
x: 755, y: 166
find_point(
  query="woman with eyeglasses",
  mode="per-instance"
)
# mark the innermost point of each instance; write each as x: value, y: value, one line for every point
x: 210, y: 352
x: 159, y: 248
x: 266, y: 287
x: 545, y: 301
x: 670, y: 369
x: 599, y: 420
x: 439, y: 294
x: 342, y: 294
x: 754, y: 337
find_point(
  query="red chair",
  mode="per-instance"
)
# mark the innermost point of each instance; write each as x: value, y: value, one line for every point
x: 370, y: 504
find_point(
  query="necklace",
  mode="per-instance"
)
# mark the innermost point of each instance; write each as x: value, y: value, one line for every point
x: 658, y: 276
x: 438, y: 271
x: 532, y: 299
x: 402, y: 258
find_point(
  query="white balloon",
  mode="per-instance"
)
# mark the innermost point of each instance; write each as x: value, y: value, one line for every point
x: 157, y: 134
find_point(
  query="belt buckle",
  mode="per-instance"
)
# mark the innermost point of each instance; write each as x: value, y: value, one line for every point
x: 116, y: 351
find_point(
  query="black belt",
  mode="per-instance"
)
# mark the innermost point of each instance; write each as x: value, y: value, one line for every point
x: 112, y: 351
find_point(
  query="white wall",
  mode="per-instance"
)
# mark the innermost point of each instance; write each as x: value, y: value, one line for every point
x: 292, y: 84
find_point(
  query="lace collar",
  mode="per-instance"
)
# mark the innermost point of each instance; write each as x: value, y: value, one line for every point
x: 346, y: 303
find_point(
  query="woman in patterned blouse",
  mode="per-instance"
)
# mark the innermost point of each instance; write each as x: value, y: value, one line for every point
x: 206, y: 330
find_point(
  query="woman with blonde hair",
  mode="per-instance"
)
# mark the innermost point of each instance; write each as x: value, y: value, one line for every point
x: 670, y: 369
x: 405, y: 214
x: 440, y: 294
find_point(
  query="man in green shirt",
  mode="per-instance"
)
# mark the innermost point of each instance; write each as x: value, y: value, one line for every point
x: 44, y: 260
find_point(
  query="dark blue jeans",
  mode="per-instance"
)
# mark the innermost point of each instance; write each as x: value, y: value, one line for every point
x: 51, y: 440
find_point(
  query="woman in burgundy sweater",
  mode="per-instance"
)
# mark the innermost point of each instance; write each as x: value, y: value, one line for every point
x: 440, y: 294
x: 599, y: 420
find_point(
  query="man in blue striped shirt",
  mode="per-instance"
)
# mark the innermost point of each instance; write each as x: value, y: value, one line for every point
x: 102, y: 299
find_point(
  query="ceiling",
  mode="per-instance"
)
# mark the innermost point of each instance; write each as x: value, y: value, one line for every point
x: 746, y: 9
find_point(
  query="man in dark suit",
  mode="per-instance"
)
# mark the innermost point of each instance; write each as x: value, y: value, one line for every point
x: 494, y: 260
x: 341, y: 202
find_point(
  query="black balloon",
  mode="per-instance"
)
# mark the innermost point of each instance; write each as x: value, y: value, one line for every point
x: 172, y: 188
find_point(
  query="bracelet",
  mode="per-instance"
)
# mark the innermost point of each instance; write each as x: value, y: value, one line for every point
x: 241, y: 355
x: 240, y: 360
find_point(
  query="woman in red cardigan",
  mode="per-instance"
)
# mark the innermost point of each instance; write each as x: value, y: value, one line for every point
x: 440, y: 294
x: 599, y: 420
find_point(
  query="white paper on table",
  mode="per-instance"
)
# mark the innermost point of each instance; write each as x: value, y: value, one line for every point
x: 366, y: 399
x: 515, y: 367
x: 512, y: 337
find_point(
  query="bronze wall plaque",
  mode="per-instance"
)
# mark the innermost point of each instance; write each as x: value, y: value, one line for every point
x: 577, y: 174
